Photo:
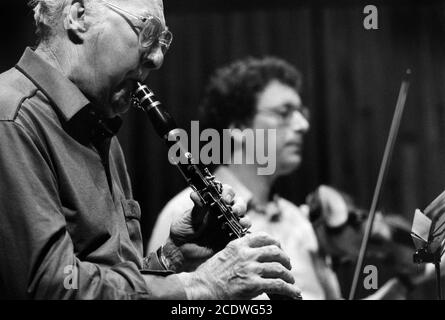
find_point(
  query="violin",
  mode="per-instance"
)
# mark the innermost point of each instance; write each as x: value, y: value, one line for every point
x: 368, y: 232
x: 340, y: 225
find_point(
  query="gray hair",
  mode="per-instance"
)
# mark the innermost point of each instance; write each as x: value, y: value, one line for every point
x: 47, y: 14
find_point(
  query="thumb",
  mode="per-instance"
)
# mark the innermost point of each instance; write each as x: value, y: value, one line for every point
x: 196, y: 199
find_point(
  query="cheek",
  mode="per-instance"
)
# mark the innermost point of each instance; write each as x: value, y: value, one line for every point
x: 270, y: 125
x: 285, y: 152
x: 281, y: 139
x: 266, y: 124
x: 119, y: 55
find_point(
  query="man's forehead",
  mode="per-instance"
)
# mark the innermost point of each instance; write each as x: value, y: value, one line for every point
x: 148, y: 7
x: 278, y: 93
x: 154, y: 7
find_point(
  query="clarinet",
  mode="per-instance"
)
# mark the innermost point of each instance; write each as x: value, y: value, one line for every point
x: 223, y: 222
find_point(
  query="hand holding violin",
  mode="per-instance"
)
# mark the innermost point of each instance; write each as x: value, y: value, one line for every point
x: 340, y: 226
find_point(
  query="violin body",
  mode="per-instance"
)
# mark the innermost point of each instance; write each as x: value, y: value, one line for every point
x: 340, y: 225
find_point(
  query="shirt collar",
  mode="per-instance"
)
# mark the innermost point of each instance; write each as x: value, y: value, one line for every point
x: 57, y: 87
x: 67, y: 98
x: 88, y: 126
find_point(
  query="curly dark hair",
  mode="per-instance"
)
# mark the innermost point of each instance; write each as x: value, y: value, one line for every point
x: 231, y: 96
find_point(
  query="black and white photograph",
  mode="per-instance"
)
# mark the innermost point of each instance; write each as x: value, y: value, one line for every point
x: 254, y: 151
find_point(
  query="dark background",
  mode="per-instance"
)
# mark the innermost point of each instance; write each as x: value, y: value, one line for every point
x: 351, y: 82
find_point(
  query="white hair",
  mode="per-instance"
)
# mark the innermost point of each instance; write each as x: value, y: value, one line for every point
x: 47, y: 14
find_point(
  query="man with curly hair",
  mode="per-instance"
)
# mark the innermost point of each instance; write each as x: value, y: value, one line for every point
x: 263, y: 93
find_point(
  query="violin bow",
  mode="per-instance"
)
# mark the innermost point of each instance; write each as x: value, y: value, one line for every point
x: 382, y: 174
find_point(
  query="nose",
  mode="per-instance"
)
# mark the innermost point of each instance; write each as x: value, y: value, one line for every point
x: 299, y: 123
x: 153, y: 58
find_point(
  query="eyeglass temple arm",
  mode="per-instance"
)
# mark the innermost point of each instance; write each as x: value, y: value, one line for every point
x: 125, y: 11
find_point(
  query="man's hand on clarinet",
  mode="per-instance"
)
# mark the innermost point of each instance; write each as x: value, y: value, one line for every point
x: 244, y: 269
x: 186, y: 236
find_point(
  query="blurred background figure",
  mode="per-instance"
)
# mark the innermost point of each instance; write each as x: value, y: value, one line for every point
x: 264, y: 94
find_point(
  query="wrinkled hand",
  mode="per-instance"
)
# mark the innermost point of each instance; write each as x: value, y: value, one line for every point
x: 187, y: 236
x: 246, y: 268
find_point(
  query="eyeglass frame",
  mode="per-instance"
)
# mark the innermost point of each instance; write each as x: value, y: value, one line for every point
x: 164, y: 45
x: 290, y: 111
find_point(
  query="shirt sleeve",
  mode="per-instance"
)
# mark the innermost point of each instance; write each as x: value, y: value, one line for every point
x: 38, y: 256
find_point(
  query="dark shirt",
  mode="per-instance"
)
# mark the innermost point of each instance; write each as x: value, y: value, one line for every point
x: 69, y: 227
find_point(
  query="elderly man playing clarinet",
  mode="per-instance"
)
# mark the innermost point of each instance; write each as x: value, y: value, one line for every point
x: 69, y: 226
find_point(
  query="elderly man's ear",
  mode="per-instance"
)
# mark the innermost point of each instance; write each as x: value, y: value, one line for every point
x: 74, y: 21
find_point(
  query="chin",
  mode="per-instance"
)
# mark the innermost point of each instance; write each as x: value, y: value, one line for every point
x: 289, y: 165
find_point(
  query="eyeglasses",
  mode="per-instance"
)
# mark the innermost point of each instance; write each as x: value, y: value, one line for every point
x: 286, y: 112
x: 150, y: 32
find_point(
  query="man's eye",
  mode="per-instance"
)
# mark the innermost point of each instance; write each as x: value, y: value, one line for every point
x: 282, y: 113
